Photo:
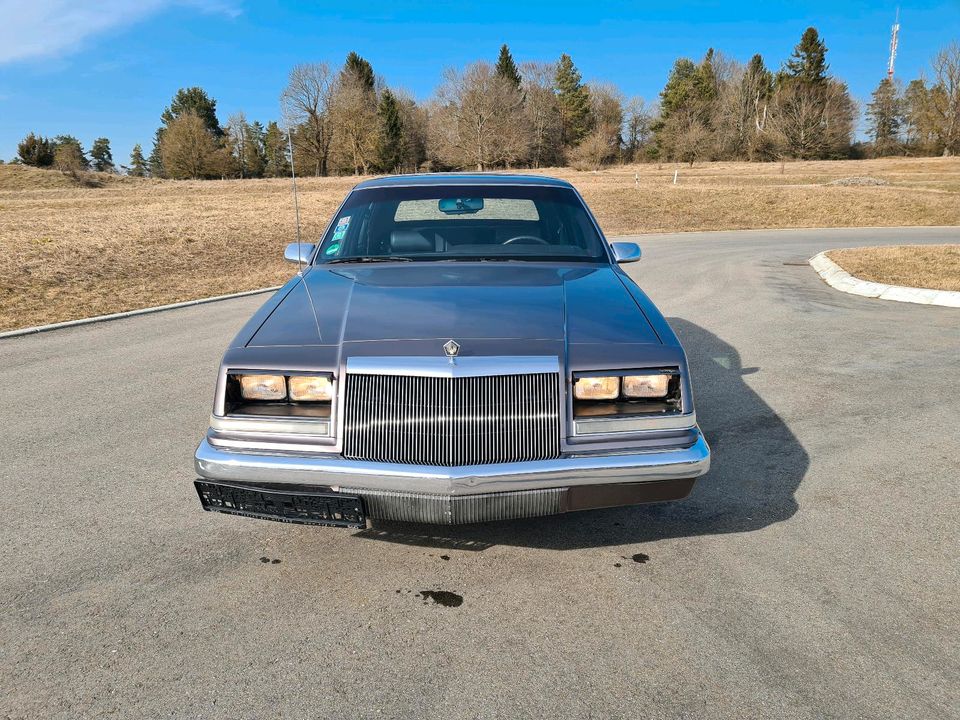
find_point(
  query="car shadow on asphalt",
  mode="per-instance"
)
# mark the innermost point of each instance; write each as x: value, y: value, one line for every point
x: 757, y: 464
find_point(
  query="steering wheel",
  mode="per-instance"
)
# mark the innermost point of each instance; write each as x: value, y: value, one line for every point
x: 520, y: 238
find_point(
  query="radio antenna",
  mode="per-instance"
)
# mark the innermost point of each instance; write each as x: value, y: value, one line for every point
x: 296, y: 201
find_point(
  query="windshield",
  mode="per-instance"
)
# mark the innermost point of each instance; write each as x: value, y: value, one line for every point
x: 462, y: 222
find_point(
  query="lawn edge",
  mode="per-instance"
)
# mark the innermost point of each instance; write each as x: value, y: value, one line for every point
x: 839, y: 279
x: 131, y: 313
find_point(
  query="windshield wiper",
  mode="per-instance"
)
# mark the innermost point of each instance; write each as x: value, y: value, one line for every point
x: 391, y: 258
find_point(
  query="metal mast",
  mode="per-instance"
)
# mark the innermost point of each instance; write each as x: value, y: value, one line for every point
x: 894, y: 35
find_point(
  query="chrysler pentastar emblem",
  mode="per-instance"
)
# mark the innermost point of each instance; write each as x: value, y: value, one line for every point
x: 451, y: 348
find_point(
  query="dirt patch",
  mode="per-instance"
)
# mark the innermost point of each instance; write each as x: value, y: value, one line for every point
x: 921, y: 266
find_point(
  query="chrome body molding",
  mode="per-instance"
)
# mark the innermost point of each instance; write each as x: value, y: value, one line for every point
x: 603, y: 426
x: 586, y: 468
x: 452, y: 366
x: 255, y: 426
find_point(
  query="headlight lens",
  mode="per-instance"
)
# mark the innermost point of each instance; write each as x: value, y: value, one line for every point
x: 310, y: 388
x: 597, y: 388
x: 263, y: 387
x: 646, y: 386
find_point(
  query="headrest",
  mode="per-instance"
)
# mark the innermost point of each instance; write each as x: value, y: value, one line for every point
x: 402, y: 241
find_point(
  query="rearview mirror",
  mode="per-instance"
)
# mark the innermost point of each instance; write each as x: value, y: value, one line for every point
x: 625, y: 252
x: 299, y: 253
x: 460, y: 206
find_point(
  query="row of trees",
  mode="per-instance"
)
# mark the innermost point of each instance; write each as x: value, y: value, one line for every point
x: 501, y: 115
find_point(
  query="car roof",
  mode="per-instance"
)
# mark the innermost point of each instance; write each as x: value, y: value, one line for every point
x: 460, y: 179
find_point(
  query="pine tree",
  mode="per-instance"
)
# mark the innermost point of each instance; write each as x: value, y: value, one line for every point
x: 256, y: 155
x: 275, y: 147
x: 360, y: 69
x: 101, y: 155
x: 884, y: 117
x: 808, y: 62
x: 138, y: 165
x: 390, y: 133
x: 679, y: 88
x: 194, y: 100
x: 35, y: 150
x: 156, y: 159
x: 574, y: 101
x: 507, y: 68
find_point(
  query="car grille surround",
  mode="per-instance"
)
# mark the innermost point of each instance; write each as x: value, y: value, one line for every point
x: 451, y: 421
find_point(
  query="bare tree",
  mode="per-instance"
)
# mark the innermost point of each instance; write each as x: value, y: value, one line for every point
x: 809, y: 121
x: 946, y: 96
x: 638, y: 127
x: 353, y: 115
x: 542, y: 112
x: 237, y: 130
x: 306, y: 104
x: 188, y: 149
x: 478, y: 119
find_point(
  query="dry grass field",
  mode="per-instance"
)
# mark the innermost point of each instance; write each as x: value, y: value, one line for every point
x: 926, y: 266
x: 69, y: 252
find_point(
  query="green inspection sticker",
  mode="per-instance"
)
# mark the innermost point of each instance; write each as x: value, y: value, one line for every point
x: 332, y: 250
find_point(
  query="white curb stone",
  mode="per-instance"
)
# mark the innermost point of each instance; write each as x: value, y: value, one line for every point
x: 838, y: 278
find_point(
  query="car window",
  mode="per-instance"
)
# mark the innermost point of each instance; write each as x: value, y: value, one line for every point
x: 462, y: 222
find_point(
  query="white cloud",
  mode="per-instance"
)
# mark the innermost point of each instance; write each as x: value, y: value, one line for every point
x: 48, y: 28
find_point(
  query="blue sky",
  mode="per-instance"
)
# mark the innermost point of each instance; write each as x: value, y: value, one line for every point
x: 110, y: 67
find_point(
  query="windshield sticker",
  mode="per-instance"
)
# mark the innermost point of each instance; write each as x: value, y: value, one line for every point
x: 332, y: 250
x: 339, y: 234
x: 345, y: 220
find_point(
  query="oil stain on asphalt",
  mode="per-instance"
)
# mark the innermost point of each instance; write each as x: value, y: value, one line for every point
x: 443, y: 597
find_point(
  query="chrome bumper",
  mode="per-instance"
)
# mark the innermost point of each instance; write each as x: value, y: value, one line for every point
x: 336, y: 472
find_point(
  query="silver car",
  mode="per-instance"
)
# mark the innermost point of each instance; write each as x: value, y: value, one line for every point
x: 456, y: 349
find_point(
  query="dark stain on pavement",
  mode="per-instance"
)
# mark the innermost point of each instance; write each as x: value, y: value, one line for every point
x: 443, y: 597
x: 444, y: 557
x: 265, y: 560
x: 641, y: 558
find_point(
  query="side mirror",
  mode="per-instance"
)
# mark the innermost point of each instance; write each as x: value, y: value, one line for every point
x: 625, y: 252
x: 298, y: 253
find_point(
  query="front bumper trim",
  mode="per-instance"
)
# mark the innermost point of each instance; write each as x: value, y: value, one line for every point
x: 213, y: 463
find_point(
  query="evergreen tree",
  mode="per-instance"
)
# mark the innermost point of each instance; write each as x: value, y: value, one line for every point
x: 507, y: 68
x: 884, y: 118
x: 808, y: 62
x: 390, y: 133
x: 574, y: 102
x: 156, y: 159
x: 196, y: 101
x: 678, y: 91
x: 275, y: 148
x: 360, y: 69
x: 138, y: 165
x: 101, y: 155
x: 256, y: 156
x: 35, y: 150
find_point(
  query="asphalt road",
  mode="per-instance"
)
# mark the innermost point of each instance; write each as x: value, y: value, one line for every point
x: 813, y: 573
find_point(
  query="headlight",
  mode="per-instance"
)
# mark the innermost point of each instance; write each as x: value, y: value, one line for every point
x: 646, y: 386
x: 597, y: 388
x: 263, y: 387
x: 310, y: 388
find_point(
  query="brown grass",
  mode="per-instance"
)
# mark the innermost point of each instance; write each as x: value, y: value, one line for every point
x: 921, y: 266
x: 69, y: 252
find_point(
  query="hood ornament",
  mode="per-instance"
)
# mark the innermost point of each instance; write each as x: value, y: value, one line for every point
x: 451, y: 349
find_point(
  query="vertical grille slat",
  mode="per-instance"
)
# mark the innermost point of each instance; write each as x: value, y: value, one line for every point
x: 451, y: 421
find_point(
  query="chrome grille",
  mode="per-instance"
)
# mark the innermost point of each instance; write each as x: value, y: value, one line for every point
x: 451, y: 421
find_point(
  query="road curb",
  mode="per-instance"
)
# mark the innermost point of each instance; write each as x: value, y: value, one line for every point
x: 836, y: 277
x: 131, y: 313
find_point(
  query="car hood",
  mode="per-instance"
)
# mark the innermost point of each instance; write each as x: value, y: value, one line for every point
x: 341, y: 305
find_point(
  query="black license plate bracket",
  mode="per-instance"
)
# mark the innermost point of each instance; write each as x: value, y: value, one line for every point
x: 302, y: 505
